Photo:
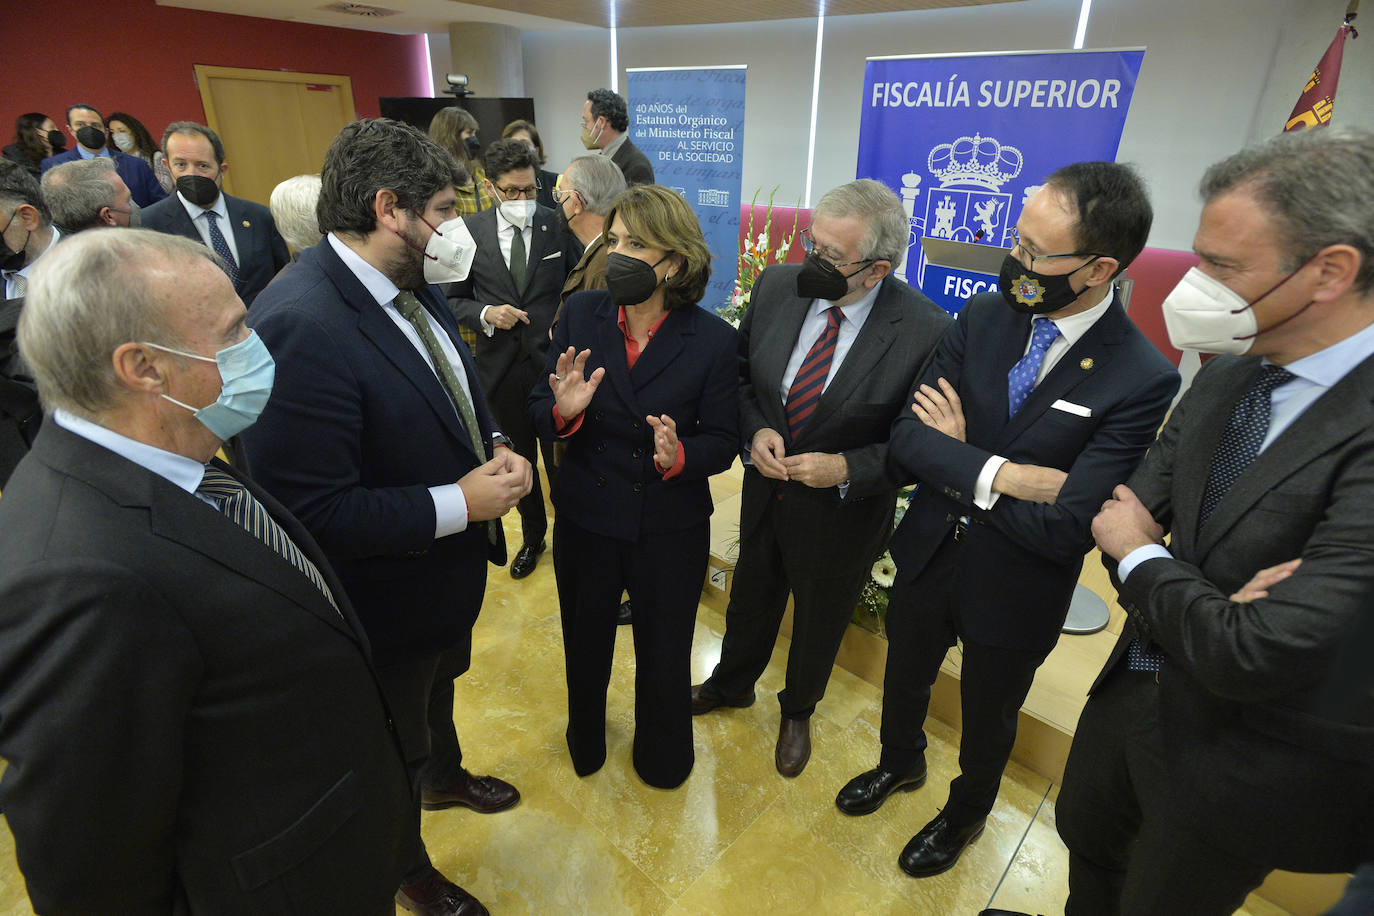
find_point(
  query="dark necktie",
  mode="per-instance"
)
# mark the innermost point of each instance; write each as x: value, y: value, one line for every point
x: 1021, y: 378
x: 1245, y: 431
x: 233, y: 499
x: 221, y: 247
x: 518, y: 258
x: 413, y: 311
x: 809, y: 383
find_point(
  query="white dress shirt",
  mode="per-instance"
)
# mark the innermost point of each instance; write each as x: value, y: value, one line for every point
x: 505, y: 237
x: 855, y: 316
x: 182, y: 472
x: 450, y: 505
x: 202, y: 223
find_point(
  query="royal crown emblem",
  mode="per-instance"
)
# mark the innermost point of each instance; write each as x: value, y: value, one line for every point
x: 977, y: 160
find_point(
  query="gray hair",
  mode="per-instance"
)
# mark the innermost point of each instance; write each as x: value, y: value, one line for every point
x: 1317, y: 185
x: 77, y: 191
x: 89, y: 295
x: 873, y: 202
x: 18, y: 186
x: 293, y: 210
x: 597, y: 179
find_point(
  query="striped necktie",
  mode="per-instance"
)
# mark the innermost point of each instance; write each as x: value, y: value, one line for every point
x: 233, y: 499
x: 809, y: 383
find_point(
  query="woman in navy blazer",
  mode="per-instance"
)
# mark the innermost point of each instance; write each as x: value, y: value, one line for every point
x: 642, y: 384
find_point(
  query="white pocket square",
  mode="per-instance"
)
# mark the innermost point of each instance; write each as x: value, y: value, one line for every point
x: 552, y: 255
x: 1075, y: 409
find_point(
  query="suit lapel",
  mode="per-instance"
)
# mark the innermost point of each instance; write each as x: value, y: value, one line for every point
x: 867, y: 350
x: 1344, y: 411
x: 770, y: 356
x: 538, y: 248
x: 665, y: 346
x: 240, y: 226
x: 612, y: 344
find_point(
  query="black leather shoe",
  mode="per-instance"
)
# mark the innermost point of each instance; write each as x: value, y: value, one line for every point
x: 866, y: 792
x: 937, y: 847
x: 438, y: 896
x: 794, y: 746
x: 624, y: 617
x: 526, y: 560
x: 991, y: 912
x: 704, y: 703
x: 483, y: 794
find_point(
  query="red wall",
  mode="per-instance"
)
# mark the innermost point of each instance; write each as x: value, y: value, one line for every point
x: 136, y: 56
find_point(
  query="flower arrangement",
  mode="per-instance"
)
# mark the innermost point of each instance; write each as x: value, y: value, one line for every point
x: 871, y: 611
x: 756, y: 253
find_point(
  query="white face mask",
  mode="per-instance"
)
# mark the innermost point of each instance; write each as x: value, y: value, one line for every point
x: 449, y: 254
x: 518, y: 212
x: 1207, y: 315
x: 124, y: 140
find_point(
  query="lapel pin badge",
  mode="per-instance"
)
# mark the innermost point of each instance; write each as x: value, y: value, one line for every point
x: 245, y: 224
x: 1085, y: 363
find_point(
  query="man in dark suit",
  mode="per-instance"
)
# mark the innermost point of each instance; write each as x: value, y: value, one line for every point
x: 1019, y: 429
x: 379, y: 438
x: 201, y: 211
x: 829, y: 353
x: 1231, y: 731
x: 509, y: 298
x: 605, y: 120
x: 189, y: 713
x: 87, y: 127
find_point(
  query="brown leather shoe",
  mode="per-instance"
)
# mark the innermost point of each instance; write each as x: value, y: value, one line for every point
x: 704, y: 704
x: 483, y: 794
x: 438, y: 896
x: 794, y: 746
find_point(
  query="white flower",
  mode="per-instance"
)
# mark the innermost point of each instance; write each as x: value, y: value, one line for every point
x: 885, y: 570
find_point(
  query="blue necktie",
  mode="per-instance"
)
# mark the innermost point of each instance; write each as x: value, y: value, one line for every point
x: 221, y: 247
x: 1021, y: 378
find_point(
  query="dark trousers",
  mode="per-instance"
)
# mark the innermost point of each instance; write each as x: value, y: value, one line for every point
x: 507, y: 404
x: 407, y: 687
x: 823, y: 604
x: 1128, y: 853
x: 923, y: 620
x: 444, y: 765
x: 663, y: 574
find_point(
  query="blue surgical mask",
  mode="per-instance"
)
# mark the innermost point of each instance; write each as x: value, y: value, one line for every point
x: 246, y: 371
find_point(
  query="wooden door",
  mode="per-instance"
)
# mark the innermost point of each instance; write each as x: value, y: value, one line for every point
x: 274, y: 124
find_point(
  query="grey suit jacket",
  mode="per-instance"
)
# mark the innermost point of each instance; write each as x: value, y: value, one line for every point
x: 1273, y: 757
x: 262, y: 250
x: 854, y: 416
x: 552, y: 253
x: 634, y: 165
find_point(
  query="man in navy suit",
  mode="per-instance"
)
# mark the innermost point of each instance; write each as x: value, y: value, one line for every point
x: 1037, y: 403
x: 239, y: 231
x: 87, y: 127
x: 380, y: 441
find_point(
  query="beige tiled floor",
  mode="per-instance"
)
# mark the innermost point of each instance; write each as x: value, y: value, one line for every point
x: 736, y: 838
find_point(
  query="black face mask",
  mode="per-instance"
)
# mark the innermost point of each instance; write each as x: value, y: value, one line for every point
x: 198, y: 189
x: 57, y: 140
x: 819, y: 279
x: 91, y: 137
x: 9, y: 258
x: 473, y: 147
x: 630, y: 280
x: 1032, y: 293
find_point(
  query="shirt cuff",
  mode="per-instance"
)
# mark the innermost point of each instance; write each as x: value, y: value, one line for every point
x: 450, y: 510
x: 983, y: 496
x: 487, y: 329
x: 562, y: 428
x: 1138, y: 556
x: 676, y: 469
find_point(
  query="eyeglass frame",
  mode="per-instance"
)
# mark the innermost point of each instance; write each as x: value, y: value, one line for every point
x: 529, y: 193
x: 561, y: 194
x: 808, y: 243
x: 1016, y: 238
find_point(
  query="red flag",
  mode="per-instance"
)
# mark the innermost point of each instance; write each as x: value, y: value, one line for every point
x: 1319, y: 96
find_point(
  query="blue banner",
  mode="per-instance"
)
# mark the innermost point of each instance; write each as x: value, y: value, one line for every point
x: 689, y: 121
x: 964, y: 140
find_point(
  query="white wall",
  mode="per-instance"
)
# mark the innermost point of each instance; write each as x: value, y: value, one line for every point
x: 1217, y: 75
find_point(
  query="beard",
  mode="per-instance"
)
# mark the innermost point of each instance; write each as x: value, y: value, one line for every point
x: 407, y: 270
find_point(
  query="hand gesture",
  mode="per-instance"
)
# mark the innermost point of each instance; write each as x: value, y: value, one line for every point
x: 665, y: 440
x: 494, y: 488
x: 1259, y: 586
x: 572, y: 388
x: 817, y: 469
x: 941, y: 409
x: 1124, y: 524
x: 506, y: 317
x: 766, y: 452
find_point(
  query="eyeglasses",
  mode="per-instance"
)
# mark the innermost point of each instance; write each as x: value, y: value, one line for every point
x: 810, y: 247
x: 562, y: 194
x: 1016, y: 237
x: 526, y: 193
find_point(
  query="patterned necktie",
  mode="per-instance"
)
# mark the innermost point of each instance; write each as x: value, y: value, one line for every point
x: 21, y: 283
x: 411, y: 310
x: 518, y: 258
x: 221, y: 247
x: 1245, y: 431
x: 809, y: 383
x: 234, y: 500
x: 1021, y: 378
